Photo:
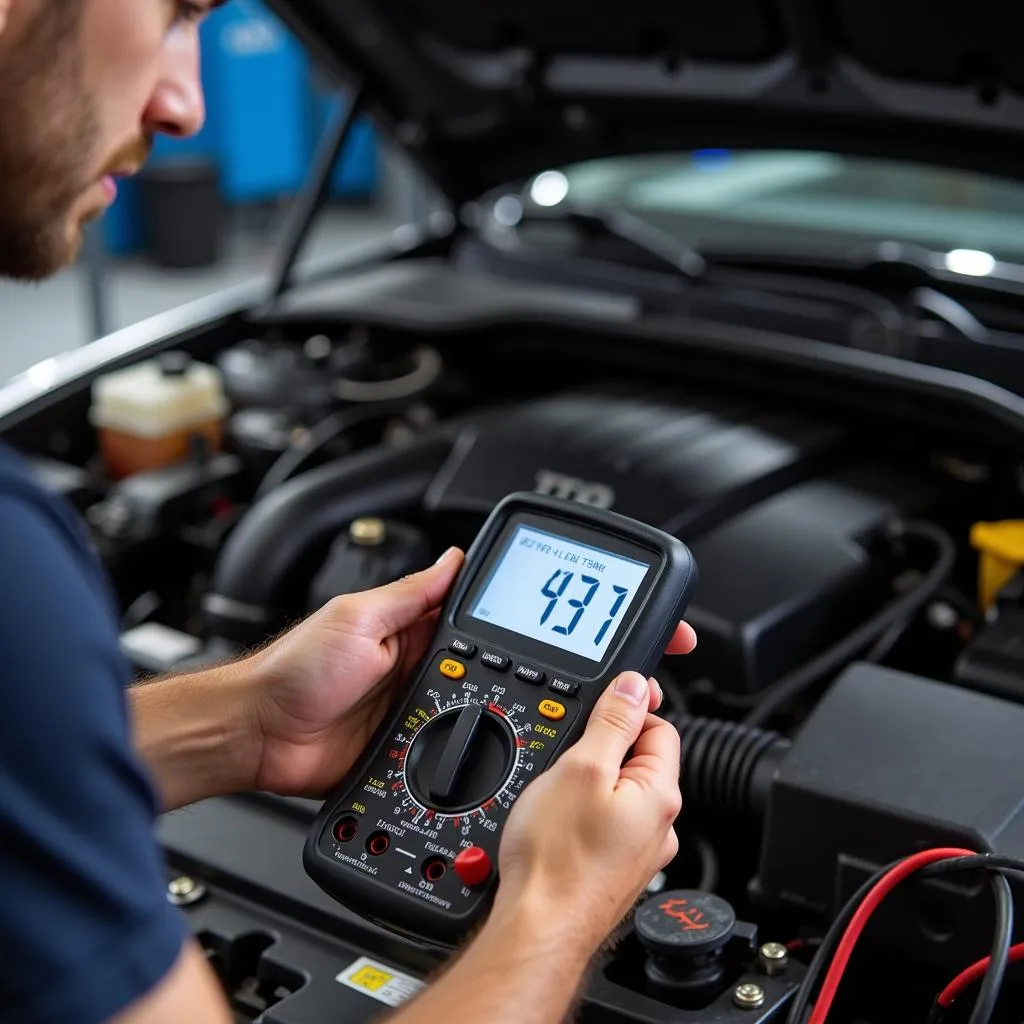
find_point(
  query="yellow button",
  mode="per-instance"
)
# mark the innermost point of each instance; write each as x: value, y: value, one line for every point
x: 452, y: 669
x: 551, y: 709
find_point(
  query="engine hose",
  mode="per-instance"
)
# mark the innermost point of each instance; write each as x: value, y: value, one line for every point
x: 271, y: 541
x: 329, y: 429
x: 727, y: 768
x: 790, y: 688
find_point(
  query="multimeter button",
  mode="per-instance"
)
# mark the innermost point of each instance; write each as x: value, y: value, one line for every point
x: 472, y: 865
x: 463, y: 647
x: 452, y: 669
x: 529, y: 674
x: 565, y: 687
x: 551, y: 709
x: 496, y: 661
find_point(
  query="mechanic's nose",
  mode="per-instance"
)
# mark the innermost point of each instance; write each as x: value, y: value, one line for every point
x: 177, y: 106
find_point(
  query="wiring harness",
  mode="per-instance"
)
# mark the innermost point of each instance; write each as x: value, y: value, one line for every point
x: 836, y: 948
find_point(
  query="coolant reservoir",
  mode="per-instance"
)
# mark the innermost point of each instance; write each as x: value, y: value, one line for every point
x: 146, y: 415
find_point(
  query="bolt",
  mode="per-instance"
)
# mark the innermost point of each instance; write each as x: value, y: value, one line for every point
x: 748, y: 996
x: 367, y: 531
x: 183, y: 891
x: 942, y: 615
x: 774, y: 957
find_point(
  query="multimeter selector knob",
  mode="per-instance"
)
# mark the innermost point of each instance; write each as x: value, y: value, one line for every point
x: 459, y: 760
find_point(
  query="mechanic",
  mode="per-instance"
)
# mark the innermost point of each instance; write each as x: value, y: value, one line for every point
x: 87, y: 762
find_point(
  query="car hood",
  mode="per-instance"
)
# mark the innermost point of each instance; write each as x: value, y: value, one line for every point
x: 482, y: 94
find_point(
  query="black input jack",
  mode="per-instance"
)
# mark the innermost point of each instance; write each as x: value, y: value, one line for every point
x: 345, y: 829
x: 378, y: 843
x: 434, y: 869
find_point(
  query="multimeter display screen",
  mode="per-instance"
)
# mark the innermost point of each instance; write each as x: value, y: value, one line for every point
x: 559, y: 591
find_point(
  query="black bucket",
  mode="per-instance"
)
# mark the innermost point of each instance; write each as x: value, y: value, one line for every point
x: 182, y: 213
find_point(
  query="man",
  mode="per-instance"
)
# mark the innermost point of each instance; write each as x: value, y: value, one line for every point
x: 86, y: 763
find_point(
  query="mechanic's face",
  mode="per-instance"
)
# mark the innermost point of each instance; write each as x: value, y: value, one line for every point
x: 84, y: 87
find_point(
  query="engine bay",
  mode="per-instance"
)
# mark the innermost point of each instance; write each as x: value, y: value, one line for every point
x: 856, y: 693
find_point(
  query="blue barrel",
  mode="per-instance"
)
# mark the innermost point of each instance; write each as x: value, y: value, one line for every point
x: 257, y: 72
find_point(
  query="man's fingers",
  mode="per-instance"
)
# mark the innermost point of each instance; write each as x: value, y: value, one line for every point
x: 657, y: 748
x: 398, y: 605
x: 615, y: 722
x: 654, y: 764
x: 657, y: 694
x: 683, y: 641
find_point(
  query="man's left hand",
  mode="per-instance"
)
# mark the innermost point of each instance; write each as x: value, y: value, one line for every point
x: 322, y: 689
x: 318, y: 693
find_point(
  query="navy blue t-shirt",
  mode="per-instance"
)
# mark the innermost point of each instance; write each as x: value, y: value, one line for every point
x: 85, y: 926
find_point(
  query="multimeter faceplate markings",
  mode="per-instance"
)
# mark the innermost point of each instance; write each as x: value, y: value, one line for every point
x: 423, y: 821
x: 503, y: 738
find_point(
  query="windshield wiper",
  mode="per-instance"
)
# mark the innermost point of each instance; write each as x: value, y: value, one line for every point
x: 899, y: 286
x: 658, y: 250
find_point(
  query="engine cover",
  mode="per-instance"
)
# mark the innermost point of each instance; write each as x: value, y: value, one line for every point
x: 680, y: 463
x: 774, y: 506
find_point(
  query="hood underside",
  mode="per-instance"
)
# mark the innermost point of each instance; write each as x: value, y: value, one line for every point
x: 482, y: 94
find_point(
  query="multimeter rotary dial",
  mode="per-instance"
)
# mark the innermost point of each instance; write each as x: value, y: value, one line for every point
x: 459, y: 760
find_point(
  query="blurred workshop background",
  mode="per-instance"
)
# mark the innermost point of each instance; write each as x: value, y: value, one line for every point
x: 206, y: 212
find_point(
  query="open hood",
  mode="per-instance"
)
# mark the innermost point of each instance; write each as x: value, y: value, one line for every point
x: 486, y: 93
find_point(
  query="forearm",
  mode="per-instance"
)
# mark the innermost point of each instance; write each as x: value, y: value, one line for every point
x: 196, y: 733
x: 514, y: 970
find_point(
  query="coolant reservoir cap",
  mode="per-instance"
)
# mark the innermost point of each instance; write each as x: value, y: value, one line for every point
x: 684, y: 922
x: 174, y: 363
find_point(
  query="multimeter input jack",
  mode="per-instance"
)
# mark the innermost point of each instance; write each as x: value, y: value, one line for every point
x: 345, y: 829
x: 434, y: 869
x: 378, y: 843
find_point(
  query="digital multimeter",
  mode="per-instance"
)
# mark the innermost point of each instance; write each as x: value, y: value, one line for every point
x: 553, y: 600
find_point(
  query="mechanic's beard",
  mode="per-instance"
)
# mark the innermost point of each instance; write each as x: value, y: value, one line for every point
x: 48, y: 134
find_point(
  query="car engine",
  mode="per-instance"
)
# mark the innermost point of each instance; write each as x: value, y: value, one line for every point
x: 851, y: 698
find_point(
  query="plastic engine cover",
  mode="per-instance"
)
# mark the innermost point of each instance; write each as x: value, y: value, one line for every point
x: 774, y: 505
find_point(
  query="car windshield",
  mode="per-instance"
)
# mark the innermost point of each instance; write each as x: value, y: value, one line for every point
x: 722, y: 199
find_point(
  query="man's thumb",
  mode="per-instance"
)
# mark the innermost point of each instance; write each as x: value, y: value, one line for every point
x: 616, y: 721
x: 398, y: 605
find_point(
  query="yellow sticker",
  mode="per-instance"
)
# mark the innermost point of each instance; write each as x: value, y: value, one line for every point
x: 371, y: 978
x: 380, y: 981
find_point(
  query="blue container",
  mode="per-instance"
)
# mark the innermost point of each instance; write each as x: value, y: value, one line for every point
x: 257, y: 75
x: 356, y: 172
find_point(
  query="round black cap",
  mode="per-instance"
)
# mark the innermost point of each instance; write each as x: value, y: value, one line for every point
x: 684, y: 923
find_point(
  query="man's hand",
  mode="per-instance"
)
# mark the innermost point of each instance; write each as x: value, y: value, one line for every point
x: 581, y: 843
x: 586, y: 836
x: 293, y: 717
x: 321, y: 690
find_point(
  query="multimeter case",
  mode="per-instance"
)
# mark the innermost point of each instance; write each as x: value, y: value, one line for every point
x: 654, y: 618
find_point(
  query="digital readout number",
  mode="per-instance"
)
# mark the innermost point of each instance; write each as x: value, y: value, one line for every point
x: 555, y: 589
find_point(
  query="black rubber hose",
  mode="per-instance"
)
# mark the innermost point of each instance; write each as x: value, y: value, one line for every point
x: 790, y: 688
x: 727, y: 768
x: 272, y: 538
x: 329, y: 429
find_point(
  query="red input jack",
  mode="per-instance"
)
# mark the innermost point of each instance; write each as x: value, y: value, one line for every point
x: 378, y: 843
x: 345, y: 829
x: 434, y: 869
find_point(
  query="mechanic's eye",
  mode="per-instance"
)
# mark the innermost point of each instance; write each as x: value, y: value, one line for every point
x: 189, y: 12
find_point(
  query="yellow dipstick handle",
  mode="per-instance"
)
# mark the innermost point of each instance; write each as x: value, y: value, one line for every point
x: 1001, y: 548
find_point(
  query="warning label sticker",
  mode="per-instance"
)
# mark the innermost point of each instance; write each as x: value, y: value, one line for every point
x: 383, y: 983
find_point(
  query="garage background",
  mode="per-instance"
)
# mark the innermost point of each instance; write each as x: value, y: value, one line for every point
x: 207, y: 211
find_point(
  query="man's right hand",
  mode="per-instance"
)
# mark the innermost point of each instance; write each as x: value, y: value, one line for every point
x: 586, y: 837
